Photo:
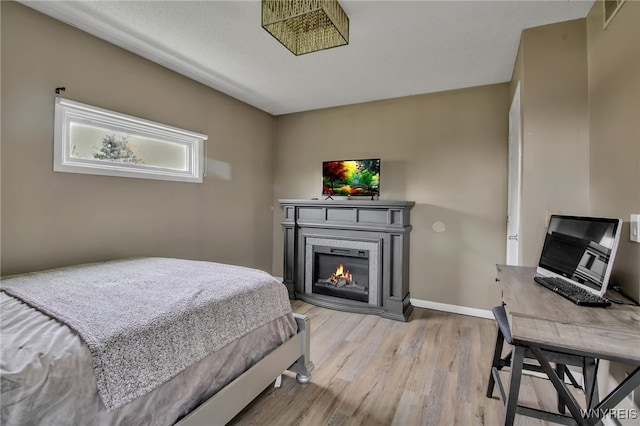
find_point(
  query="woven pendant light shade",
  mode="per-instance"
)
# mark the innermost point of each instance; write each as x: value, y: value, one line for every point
x: 305, y: 26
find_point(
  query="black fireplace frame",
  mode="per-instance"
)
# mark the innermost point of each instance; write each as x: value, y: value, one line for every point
x: 349, y: 256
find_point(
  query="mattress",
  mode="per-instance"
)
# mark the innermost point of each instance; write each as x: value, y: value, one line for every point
x: 47, y: 374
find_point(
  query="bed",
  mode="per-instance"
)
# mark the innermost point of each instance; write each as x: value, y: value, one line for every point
x: 144, y: 341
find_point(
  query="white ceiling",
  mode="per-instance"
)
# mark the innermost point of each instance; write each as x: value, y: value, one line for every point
x: 396, y: 48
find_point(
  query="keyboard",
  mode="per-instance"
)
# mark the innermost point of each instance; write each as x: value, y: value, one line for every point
x: 572, y: 292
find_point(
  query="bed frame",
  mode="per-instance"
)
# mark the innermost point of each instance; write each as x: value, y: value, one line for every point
x: 293, y: 355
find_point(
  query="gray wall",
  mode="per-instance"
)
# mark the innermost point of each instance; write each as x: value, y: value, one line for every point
x: 552, y: 70
x: 445, y: 151
x: 614, y: 145
x: 614, y: 129
x: 55, y: 219
x: 581, y: 127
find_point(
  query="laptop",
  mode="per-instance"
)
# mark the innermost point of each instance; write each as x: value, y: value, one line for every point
x: 581, y: 250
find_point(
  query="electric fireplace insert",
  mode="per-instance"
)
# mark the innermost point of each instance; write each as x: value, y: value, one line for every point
x: 341, y: 272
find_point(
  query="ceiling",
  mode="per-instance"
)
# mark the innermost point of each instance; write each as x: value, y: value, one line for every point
x: 396, y: 48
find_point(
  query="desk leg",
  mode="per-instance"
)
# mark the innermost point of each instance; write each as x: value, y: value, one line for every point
x: 563, y: 393
x: 560, y: 371
x: 590, y: 382
x: 517, y: 358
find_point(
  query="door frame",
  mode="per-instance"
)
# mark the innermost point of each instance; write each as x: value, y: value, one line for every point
x: 514, y: 181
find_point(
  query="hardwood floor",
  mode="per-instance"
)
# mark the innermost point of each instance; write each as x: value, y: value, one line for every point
x: 431, y: 370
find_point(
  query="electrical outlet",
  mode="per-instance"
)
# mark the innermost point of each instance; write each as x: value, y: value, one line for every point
x: 634, y: 228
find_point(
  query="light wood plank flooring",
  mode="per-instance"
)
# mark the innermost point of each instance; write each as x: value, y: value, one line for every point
x: 431, y: 370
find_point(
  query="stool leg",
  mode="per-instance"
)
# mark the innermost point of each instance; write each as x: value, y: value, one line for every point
x: 497, y: 353
x: 514, y: 385
x: 572, y: 379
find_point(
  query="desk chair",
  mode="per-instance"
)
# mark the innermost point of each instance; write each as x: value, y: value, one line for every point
x: 516, y: 360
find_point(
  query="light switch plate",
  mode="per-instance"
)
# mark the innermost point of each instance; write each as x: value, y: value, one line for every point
x: 635, y: 228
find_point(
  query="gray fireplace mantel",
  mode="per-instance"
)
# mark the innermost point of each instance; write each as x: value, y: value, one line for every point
x: 382, y: 224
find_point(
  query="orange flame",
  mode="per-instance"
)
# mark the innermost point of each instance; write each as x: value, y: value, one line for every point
x: 341, y: 273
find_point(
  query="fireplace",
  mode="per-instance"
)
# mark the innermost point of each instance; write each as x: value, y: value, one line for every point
x: 351, y: 255
x: 341, y: 272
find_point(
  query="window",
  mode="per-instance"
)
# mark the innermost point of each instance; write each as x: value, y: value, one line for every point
x: 93, y: 140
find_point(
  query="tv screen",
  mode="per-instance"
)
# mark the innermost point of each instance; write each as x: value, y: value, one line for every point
x: 351, y: 177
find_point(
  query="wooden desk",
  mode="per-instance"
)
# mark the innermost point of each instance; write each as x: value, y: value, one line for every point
x: 541, y: 319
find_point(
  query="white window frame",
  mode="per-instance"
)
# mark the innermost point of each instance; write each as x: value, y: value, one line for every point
x: 69, y: 112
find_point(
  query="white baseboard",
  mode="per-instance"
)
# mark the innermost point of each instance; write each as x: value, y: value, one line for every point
x: 455, y: 309
x: 576, y: 375
x: 444, y: 307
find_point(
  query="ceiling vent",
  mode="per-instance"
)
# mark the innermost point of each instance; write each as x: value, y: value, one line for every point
x: 611, y: 7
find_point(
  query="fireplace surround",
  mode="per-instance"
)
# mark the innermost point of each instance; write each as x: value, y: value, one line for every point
x: 351, y: 255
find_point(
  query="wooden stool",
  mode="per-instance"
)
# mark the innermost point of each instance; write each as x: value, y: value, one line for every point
x: 515, y: 360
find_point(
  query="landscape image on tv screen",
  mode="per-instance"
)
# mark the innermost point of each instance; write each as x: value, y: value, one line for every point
x: 351, y: 177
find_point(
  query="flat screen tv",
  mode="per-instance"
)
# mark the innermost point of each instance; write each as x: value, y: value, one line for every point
x: 351, y: 177
x: 581, y: 249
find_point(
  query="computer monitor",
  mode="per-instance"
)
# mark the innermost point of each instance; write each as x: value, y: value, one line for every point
x: 581, y: 249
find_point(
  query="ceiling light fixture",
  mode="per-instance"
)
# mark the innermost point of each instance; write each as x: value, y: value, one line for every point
x: 305, y: 26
